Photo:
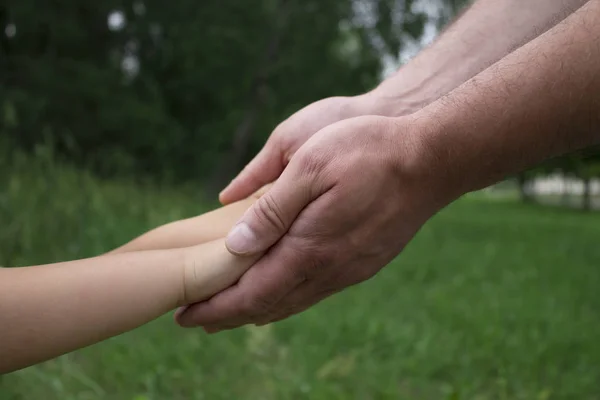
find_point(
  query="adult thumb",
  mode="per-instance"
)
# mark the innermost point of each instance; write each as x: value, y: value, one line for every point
x: 270, y: 217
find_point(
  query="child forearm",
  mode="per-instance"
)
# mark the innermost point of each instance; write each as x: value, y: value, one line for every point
x: 49, y: 310
x: 46, y: 311
x: 192, y: 231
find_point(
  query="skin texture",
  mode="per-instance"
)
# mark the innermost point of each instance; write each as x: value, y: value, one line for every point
x: 357, y: 191
x: 49, y: 310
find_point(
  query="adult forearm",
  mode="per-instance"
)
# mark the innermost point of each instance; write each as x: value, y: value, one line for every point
x: 486, y: 32
x: 539, y: 102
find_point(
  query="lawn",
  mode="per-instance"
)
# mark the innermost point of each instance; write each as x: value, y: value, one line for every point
x: 492, y: 300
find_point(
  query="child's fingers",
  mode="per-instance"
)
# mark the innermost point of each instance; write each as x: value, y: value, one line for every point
x: 210, y: 268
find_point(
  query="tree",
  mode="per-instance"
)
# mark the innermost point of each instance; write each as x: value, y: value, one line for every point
x: 185, y: 91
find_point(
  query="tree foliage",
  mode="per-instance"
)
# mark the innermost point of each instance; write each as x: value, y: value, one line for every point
x: 185, y: 89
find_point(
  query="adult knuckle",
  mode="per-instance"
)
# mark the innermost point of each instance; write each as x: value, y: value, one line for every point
x: 313, y: 162
x: 279, y: 130
x: 270, y: 213
x: 282, y: 137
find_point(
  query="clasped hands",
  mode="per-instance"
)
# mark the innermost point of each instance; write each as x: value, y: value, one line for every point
x: 348, y: 193
x: 304, y: 220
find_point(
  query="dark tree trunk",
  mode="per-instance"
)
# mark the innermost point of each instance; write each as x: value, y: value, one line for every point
x: 232, y: 161
x: 524, y: 194
x: 587, y: 194
x: 566, y: 195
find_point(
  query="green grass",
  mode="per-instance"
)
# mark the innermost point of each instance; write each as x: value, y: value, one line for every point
x: 492, y: 300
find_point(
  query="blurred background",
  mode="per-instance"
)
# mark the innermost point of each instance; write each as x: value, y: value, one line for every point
x: 118, y: 116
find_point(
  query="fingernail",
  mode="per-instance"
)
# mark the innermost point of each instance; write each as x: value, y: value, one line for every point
x: 184, y: 320
x: 241, y: 240
x: 179, y: 312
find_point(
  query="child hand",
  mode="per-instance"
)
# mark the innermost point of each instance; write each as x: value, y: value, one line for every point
x: 210, y: 268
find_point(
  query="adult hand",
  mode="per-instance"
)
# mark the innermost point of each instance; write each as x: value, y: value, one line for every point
x: 292, y: 133
x: 348, y: 202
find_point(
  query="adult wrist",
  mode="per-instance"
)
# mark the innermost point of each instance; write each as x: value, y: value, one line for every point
x: 456, y: 150
x: 433, y: 159
x: 390, y: 99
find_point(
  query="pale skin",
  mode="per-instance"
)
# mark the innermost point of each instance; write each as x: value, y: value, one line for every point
x: 49, y: 310
x: 351, y: 194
